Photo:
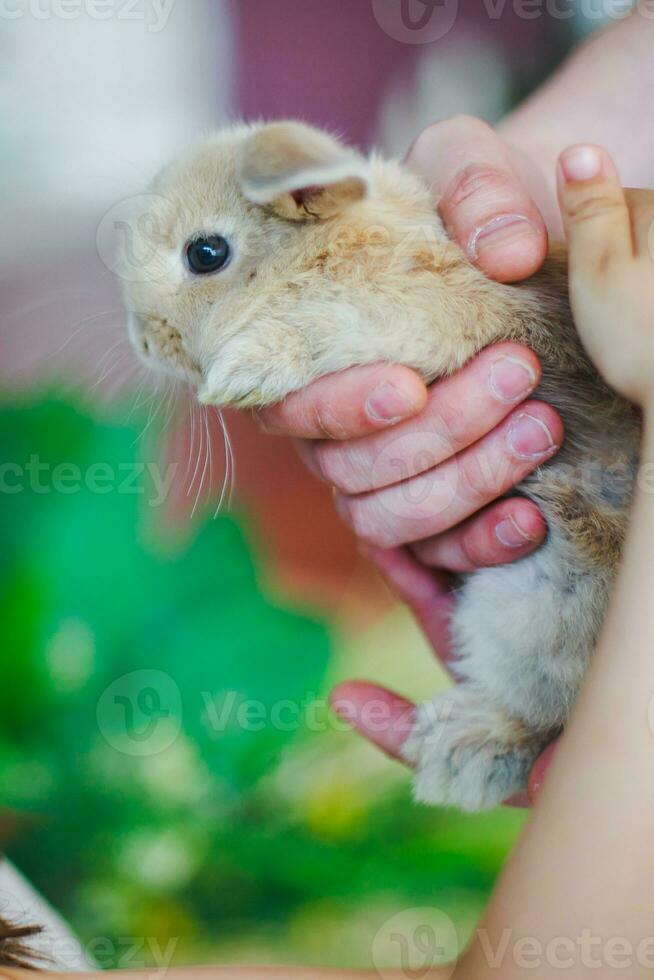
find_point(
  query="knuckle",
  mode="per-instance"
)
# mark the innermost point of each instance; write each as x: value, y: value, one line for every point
x: 333, y: 465
x: 476, y: 178
x: 452, y: 425
x: 467, y: 125
x: 470, y: 481
x: 430, y: 140
x: 481, y: 478
x: 594, y: 208
x: 471, y: 550
x: 326, y: 422
x: 427, y: 141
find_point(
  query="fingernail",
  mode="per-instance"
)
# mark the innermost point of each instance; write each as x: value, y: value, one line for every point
x: 580, y: 163
x: 389, y: 404
x: 529, y: 438
x: 511, y: 379
x: 509, y: 533
x: 500, y: 232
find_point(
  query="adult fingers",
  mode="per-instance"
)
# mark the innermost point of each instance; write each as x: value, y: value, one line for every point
x: 348, y: 404
x: 502, y: 533
x: 484, y: 205
x: 381, y: 716
x: 438, y: 500
x: 385, y: 719
x: 641, y: 209
x: 459, y: 411
x: 425, y: 591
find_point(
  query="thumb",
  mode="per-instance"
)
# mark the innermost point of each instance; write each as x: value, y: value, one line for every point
x: 483, y: 202
x: 594, y: 210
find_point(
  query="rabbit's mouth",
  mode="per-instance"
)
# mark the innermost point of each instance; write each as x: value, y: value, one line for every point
x: 161, y: 346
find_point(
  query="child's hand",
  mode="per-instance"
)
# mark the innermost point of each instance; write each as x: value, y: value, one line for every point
x: 611, y: 241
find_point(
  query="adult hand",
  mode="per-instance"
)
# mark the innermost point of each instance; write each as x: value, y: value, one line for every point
x: 425, y: 468
x: 382, y: 716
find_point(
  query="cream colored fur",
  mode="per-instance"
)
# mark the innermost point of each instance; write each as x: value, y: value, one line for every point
x: 340, y: 260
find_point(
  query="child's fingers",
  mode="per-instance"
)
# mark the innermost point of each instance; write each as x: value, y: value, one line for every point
x: 593, y: 208
x: 641, y: 208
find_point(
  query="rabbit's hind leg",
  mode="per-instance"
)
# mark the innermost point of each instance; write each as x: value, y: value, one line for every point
x: 468, y: 752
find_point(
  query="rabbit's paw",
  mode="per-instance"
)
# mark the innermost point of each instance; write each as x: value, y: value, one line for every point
x: 468, y: 753
x: 257, y: 367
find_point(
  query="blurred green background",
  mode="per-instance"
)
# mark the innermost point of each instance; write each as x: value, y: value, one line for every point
x: 170, y: 777
x: 164, y: 737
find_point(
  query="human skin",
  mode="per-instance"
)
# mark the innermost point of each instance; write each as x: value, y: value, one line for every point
x: 570, y: 899
x: 500, y: 181
x: 581, y: 900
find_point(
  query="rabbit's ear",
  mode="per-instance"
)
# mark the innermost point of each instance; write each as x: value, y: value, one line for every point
x: 301, y: 172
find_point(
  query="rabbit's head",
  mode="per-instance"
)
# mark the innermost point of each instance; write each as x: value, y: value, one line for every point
x: 221, y: 222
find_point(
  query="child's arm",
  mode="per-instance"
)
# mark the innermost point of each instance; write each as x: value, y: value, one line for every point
x: 578, y: 893
x: 233, y: 973
x: 577, y: 897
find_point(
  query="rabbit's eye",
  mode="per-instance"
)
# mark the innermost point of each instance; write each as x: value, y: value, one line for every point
x: 205, y: 256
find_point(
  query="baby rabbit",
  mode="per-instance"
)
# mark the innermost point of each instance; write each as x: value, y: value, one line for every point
x: 274, y: 255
